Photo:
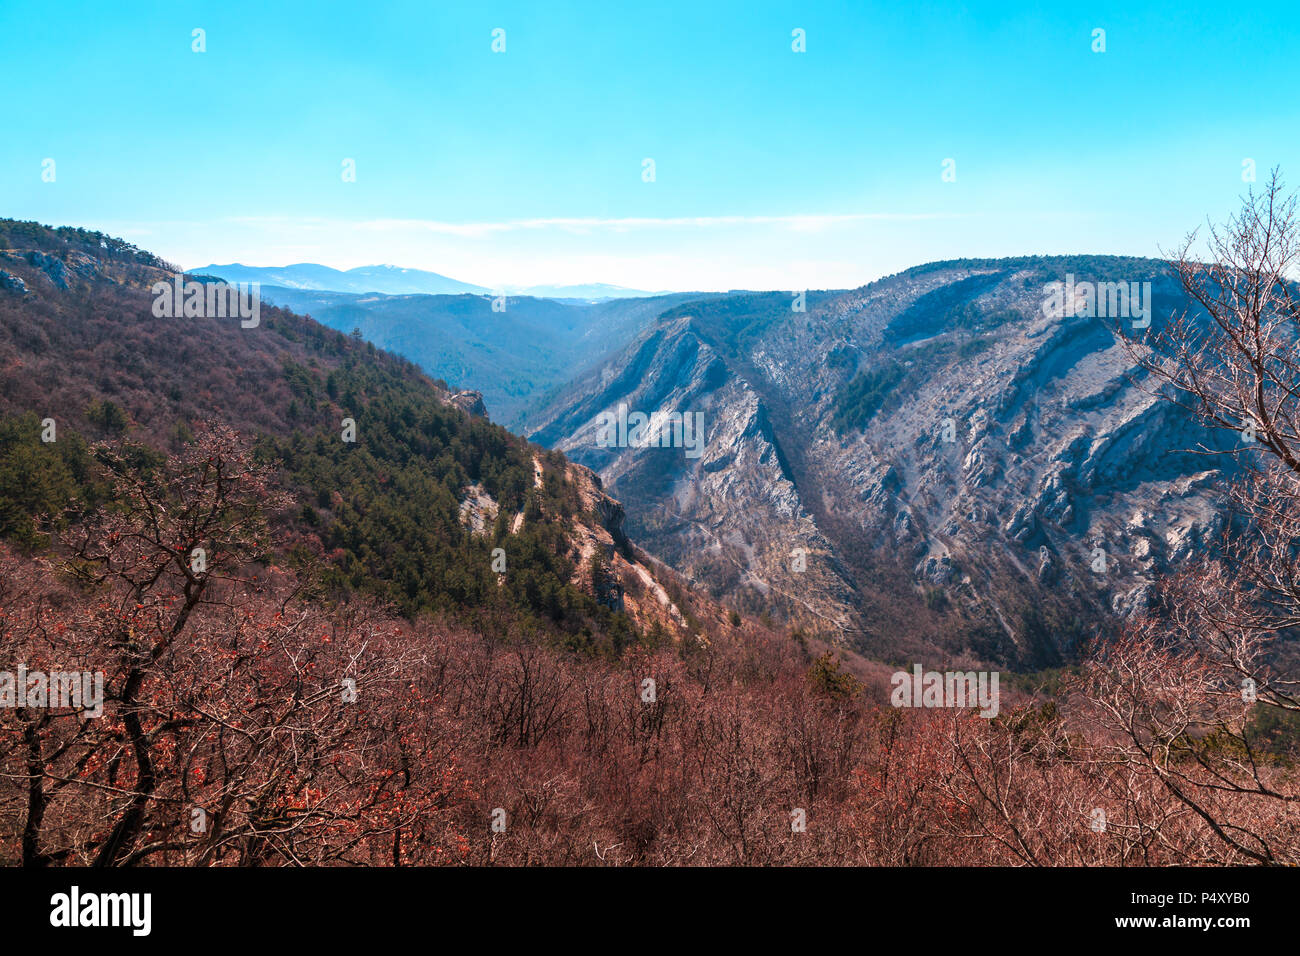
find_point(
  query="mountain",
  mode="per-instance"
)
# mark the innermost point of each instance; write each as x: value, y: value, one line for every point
x: 514, y: 350
x: 359, y: 628
x: 959, y: 462
x: 390, y: 280
x: 930, y: 462
x: 395, y: 280
x: 302, y: 636
x: 411, y: 509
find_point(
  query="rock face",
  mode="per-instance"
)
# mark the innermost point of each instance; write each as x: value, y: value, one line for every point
x: 622, y: 576
x: 52, y: 266
x: 478, y: 510
x: 471, y: 402
x: 953, y: 451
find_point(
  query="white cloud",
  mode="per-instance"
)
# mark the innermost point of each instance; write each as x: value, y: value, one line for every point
x: 697, y: 253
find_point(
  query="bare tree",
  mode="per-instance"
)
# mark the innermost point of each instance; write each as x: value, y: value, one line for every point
x: 1176, y: 700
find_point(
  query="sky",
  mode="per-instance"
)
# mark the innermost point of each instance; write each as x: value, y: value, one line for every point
x: 772, y: 169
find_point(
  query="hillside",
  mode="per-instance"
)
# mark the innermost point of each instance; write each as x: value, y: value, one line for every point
x: 412, y: 510
x: 584, y: 694
x: 963, y: 469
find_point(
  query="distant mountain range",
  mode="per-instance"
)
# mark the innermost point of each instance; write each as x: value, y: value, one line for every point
x: 395, y: 280
x: 390, y: 280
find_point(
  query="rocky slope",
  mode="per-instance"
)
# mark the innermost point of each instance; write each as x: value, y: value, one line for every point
x: 953, y: 460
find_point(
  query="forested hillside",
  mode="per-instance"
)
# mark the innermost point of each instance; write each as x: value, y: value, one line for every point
x: 385, y: 512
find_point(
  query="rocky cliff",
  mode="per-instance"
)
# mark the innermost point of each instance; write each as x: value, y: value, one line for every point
x: 957, y: 459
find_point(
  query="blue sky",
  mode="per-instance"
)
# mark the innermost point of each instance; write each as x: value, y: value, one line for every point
x: 773, y: 169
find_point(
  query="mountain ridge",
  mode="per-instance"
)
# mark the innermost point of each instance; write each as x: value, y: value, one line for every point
x: 388, y: 279
x: 947, y: 455
x: 311, y: 276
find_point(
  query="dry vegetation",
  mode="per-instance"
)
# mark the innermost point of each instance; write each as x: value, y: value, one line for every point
x: 226, y: 690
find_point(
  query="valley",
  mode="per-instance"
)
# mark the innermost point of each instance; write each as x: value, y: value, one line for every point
x: 948, y: 449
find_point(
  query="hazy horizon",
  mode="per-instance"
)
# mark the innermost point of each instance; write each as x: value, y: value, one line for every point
x: 398, y: 135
